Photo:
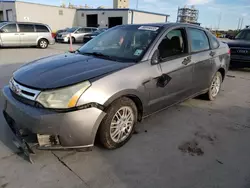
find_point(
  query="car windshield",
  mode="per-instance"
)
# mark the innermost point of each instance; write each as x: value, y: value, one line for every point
x: 71, y: 30
x: 123, y: 43
x: 243, y: 35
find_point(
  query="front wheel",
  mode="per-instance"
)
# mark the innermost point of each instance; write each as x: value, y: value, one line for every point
x: 215, y: 87
x: 118, y: 126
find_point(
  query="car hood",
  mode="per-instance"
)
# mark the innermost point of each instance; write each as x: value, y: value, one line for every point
x: 65, y: 69
x: 239, y: 43
x: 64, y: 33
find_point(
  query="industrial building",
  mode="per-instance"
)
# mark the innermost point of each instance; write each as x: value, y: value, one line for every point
x: 188, y: 15
x: 58, y: 17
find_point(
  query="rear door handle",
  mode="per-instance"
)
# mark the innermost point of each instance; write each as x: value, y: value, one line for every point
x: 212, y: 53
x: 22, y: 34
x: 187, y: 60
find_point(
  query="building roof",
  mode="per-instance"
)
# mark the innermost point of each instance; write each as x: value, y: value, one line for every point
x: 90, y: 9
x: 123, y: 9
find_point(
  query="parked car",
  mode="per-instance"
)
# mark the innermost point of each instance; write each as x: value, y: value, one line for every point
x: 240, y: 49
x: 60, y: 31
x: 77, y: 34
x: 25, y: 34
x: 90, y: 36
x: 114, y: 81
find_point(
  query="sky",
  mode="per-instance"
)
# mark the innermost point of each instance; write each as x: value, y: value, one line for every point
x: 222, y: 14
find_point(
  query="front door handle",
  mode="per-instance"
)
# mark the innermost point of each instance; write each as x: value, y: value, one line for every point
x: 16, y: 34
x: 187, y: 60
x: 22, y: 34
x: 212, y: 53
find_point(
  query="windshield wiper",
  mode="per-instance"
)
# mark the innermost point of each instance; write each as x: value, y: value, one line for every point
x: 98, y: 54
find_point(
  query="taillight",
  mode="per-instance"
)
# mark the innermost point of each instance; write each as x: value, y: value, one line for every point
x: 229, y: 51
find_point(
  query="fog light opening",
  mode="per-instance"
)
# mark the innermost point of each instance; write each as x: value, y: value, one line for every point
x: 48, y: 140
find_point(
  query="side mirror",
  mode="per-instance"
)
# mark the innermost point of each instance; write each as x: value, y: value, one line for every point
x: 1, y: 31
x: 155, y: 58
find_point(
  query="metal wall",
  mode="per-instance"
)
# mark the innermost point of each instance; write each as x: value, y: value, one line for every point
x: 102, y: 16
x: 5, y: 6
x: 55, y: 17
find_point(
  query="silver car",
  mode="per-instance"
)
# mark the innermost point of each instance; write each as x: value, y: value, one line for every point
x: 25, y: 34
x: 114, y: 81
x: 77, y: 34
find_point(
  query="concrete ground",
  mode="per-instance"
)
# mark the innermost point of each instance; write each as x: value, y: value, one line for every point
x: 197, y: 144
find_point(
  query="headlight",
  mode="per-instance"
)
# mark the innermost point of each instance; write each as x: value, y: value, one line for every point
x: 63, y: 98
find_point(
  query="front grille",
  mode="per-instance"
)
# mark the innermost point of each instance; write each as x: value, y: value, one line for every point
x: 240, y: 51
x: 24, y: 94
x: 26, y: 101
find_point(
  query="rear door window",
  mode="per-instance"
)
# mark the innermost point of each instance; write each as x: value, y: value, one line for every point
x: 87, y: 30
x: 26, y: 28
x: 42, y: 28
x: 10, y: 28
x: 199, y: 40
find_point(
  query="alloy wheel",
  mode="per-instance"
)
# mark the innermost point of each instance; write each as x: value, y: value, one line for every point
x: 43, y: 44
x: 215, y: 87
x: 122, y: 124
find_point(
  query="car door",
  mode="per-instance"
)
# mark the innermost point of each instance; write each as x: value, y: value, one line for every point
x: 28, y: 36
x: 202, y: 58
x: 9, y: 35
x: 78, y: 34
x: 175, y: 82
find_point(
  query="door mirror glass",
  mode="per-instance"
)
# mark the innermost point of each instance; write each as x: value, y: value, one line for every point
x: 155, y: 58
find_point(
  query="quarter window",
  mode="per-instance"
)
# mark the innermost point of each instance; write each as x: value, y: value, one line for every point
x: 10, y: 28
x: 173, y: 44
x: 214, y: 42
x: 26, y: 28
x: 199, y: 40
x: 41, y: 28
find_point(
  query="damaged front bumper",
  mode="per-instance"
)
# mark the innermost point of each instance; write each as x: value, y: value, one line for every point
x: 54, y: 130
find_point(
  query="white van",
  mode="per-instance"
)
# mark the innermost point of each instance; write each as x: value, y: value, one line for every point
x: 25, y: 34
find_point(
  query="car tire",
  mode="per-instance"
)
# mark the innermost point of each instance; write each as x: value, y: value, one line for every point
x: 43, y: 43
x: 215, y: 87
x: 115, y: 129
x: 73, y: 40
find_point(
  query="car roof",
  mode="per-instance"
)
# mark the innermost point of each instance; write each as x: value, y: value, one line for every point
x: 25, y: 23
x: 170, y: 24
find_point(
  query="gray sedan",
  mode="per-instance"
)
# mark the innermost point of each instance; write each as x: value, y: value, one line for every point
x: 114, y: 81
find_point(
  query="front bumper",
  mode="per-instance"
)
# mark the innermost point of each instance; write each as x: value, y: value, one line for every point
x: 75, y: 129
x: 240, y: 61
x: 62, y: 39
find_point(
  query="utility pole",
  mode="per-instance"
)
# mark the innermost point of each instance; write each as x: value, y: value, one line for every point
x: 219, y: 20
x: 137, y: 4
x: 239, y: 24
x: 242, y: 19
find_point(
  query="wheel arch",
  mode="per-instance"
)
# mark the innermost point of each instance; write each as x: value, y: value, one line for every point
x: 39, y: 38
x: 223, y: 72
x: 135, y: 96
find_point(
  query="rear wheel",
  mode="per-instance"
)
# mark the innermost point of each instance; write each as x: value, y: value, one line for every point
x: 43, y: 43
x: 118, y: 126
x: 215, y: 87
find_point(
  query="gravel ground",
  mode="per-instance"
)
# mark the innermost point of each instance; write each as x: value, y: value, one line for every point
x: 196, y: 144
